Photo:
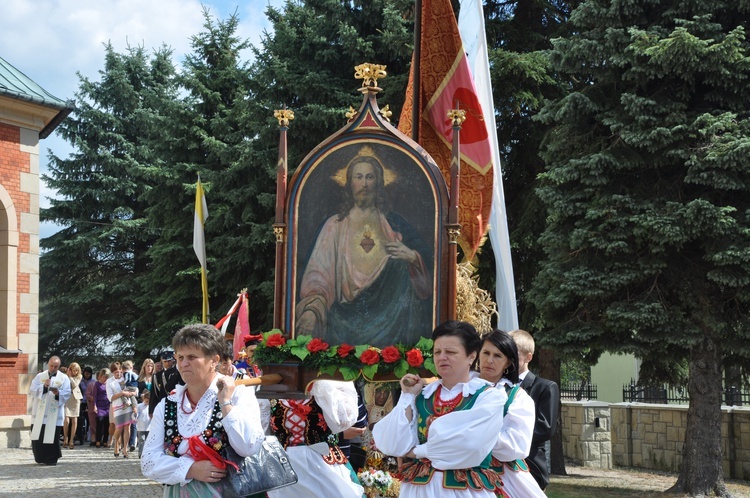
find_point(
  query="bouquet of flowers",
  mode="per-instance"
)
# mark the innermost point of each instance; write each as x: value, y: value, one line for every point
x: 377, y: 482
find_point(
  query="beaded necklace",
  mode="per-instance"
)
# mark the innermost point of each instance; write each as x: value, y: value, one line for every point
x: 182, y: 403
x: 442, y: 407
x: 438, y: 409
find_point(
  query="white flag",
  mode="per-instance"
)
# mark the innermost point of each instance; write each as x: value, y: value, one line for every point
x: 471, y: 27
x: 199, y: 242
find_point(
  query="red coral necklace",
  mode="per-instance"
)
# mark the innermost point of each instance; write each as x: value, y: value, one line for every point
x: 442, y: 407
x: 182, y: 403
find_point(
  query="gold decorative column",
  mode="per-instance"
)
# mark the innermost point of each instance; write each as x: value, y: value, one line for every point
x: 453, y: 227
x: 279, y: 227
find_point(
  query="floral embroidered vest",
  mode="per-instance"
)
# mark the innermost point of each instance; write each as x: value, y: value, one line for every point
x: 213, y: 435
x: 420, y: 472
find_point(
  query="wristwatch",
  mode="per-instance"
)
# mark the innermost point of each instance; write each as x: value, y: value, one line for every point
x: 225, y: 404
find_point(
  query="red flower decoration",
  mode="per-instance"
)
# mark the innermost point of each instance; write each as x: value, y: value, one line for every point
x: 414, y: 358
x: 317, y: 345
x: 275, y: 340
x: 369, y: 357
x: 391, y: 354
x: 344, y: 350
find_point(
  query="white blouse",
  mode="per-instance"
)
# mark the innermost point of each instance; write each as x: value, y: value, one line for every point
x: 457, y: 440
x: 514, y: 443
x: 115, y: 386
x: 514, y: 440
x: 242, y: 425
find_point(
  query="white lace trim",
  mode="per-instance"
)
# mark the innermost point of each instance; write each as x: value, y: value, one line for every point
x: 465, y: 388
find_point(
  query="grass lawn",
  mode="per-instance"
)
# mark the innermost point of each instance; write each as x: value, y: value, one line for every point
x: 599, y: 483
x: 565, y: 490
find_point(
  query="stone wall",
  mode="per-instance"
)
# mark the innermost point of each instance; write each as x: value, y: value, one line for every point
x: 586, y: 433
x: 647, y: 436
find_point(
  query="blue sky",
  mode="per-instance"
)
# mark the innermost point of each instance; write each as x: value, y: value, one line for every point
x: 52, y: 40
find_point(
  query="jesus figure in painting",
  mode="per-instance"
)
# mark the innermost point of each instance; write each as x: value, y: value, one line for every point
x: 366, y: 281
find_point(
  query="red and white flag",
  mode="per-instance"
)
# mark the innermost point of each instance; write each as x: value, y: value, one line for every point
x: 471, y: 27
x: 446, y: 83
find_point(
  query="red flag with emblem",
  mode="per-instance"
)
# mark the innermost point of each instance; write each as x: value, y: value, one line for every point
x: 446, y: 83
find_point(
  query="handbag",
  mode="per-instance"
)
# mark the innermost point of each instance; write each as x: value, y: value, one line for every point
x: 266, y: 470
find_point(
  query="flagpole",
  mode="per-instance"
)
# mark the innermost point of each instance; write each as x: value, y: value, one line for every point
x: 415, y: 105
x: 204, y: 290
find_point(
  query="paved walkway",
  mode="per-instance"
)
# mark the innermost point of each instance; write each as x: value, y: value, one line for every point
x: 83, y: 471
x: 88, y: 472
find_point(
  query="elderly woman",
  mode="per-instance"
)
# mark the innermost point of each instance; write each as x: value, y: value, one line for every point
x: 72, y: 406
x: 101, y: 405
x: 498, y: 364
x: 191, y: 426
x: 441, y: 428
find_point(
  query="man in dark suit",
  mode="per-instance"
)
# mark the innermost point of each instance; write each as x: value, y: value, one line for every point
x: 546, y: 396
x: 165, y: 381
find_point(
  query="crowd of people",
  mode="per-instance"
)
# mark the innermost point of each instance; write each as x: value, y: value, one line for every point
x: 183, y: 411
x: 104, y: 408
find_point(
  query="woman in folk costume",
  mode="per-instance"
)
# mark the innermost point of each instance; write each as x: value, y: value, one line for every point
x: 498, y: 364
x: 193, y: 424
x: 73, y: 405
x: 442, y: 428
x: 49, y: 391
x: 308, y: 430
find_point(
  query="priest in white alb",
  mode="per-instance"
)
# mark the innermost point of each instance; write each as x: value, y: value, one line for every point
x: 49, y: 391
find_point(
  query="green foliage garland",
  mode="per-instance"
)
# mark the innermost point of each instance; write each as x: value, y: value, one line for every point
x: 315, y: 354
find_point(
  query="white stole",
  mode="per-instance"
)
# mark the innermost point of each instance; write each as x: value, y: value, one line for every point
x: 46, y: 413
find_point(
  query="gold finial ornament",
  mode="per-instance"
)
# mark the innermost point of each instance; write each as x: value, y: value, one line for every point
x: 351, y: 113
x: 369, y: 73
x: 457, y: 116
x: 279, y: 233
x: 386, y: 113
x: 284, y: 116
x: 453, y: 235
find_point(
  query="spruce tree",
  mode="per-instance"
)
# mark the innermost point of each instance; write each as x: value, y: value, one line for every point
x: 519, y: 36
x: 90, y: 268
x: 648, y: 237
x: 307, y: 64
x: 208, y: 133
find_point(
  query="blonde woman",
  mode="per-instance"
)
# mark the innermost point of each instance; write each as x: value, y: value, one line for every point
x: 145, y: 376
x: 72, y: 406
